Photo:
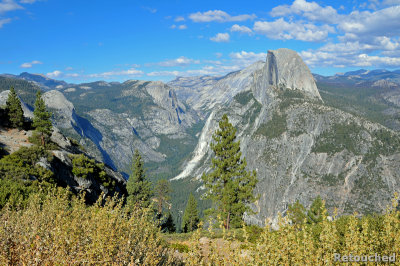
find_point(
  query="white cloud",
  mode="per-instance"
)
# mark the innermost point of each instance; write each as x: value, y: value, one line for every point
x: 241, y: 29
x: 178, y: 19
x: 30, y: 64
x: 180, y: 61
x: 164, y: 73
x: 205, y: 70
x: 28, y: 1
x: 283, y: 30
x: 150, y: 9
x: 182, y: 27
x: 309, y: 10
x: 107, y: 75
x: 4, y: 21
x: 173, y: 26
x: 218, y: 16
x: 220, y: 37
x: 54, y: 74
x: 243, y: 59
x: 9, y: 5
x: 391, y: 2
x: 363, y: 25
x: 72, y: 75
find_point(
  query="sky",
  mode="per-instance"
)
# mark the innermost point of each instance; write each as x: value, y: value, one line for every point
x: 83, y: 41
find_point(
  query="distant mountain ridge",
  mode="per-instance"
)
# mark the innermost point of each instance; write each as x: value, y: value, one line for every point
x: 45, y: 83
x: 305, y: 134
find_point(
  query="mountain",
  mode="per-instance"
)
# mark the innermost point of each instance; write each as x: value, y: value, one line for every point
x: 39, y: 80
x: 203, y: 94
x: 58, y: 165
x: 300, y: 146
x: 372, y: 94
x: 304, y: 134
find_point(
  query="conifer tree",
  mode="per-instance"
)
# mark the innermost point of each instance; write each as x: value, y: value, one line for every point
x: 314, y: 214
x: 168, y: 225
x: 138, y: 187
x: 190, y: 218
x: 229, y: 185
x: 14, y: 110
x: 297, y: 213
x: 41, y: 119
x: 162, y: 192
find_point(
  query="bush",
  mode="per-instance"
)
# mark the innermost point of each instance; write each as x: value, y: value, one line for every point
x: 22, y: 164
x: 58, y: 230
x: 85, y: 167
x: 182, y: 248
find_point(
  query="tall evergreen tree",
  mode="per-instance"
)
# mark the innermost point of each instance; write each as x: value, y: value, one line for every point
x: 162, y: 192
x: 190, y: 220
x: 314, y: 214
x: 138, y: 187
x: 167, y: 225
x: 41, y: 118
x: 14, y: 109
x: 229, y: 185
x: 297, y: 213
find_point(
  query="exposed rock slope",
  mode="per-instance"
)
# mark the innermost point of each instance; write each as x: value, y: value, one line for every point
x: 302, y: 148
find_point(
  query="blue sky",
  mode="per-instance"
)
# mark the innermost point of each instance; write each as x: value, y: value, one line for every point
x: 80, y: 41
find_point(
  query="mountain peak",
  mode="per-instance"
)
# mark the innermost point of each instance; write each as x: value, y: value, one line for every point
x: 284, y: 69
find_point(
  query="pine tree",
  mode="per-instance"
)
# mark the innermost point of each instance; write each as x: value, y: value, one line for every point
x: 314, y: 214
x: 168, y: 225
x: 190, y: 218
x: 138, y: 187
x: 14, y: 110
x: 229, y: 185
x: 162, y: 192
x: 41, y: 119
x: 297, y: 213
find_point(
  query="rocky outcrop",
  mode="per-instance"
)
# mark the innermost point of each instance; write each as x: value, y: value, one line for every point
x: 28, y: 112
x: 302, y: 148
x: 206, y: 93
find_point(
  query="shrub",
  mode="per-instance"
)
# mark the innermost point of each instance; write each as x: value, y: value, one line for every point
x: 22, y: 164
x: 58, y: 230
x: 85, y: 167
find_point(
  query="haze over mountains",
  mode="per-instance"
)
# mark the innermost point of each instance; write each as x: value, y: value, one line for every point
x: 305, y: 134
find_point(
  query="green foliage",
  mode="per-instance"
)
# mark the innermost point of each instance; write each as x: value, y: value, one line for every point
x: 22, y: 164
x: 41, y: 119
x: 363, y: 102
x: 14, y: 109
x: 138, y: 187
x: 85, y: 167
x: 162, y: 192
x: 229, y: 185
x: 297, y: 213
x: 190, y: 218
x: 37, y: 140
x: 274, y: 127
x: 289, y: 93
x: 314, y: 214
x: 167, y: 224
x: 182, y: 248
x: 15, y: 192
x: 338, y: 138
x: 243, y: 97
x: 25, y: 89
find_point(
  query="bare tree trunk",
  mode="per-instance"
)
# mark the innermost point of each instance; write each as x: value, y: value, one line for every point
x: 42, y: 139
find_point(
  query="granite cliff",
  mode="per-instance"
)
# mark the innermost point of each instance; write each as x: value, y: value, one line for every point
x: 301, y: 147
